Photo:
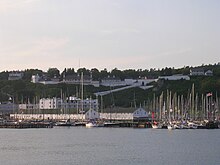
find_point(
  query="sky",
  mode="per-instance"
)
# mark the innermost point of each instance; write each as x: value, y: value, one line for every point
x: 123, y: 34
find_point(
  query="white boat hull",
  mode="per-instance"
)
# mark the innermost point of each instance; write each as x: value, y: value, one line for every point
x: 90, y: 125
x: 170, y: 127
x: 154, y: 126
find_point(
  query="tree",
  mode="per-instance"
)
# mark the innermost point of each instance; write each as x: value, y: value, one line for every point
x: 117, y: 73
x: 84, y: 71
x: 53, y: 72
x: 29, y: 72
x: 104, y: 73
x: 95, y: 74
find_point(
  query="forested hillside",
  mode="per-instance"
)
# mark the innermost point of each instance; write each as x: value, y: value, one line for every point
x: 24, y: 91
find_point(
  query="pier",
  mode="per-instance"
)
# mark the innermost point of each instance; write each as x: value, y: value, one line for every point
x: 22, y: 125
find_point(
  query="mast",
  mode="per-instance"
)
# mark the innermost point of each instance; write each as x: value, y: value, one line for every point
x: 192, y: 115
x: 182, y: 107
x: 82, y: 108
x: 161, y: 106
x: 196, y: 107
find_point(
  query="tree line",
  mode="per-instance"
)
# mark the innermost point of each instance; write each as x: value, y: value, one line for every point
x: 121, y: 74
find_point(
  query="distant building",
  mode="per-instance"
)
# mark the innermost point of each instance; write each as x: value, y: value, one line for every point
x: 175, y: 77
x: 15, y: 75
x: 28, y: 106
x: 8, y: 107
x: 140, y: 113
x: 92, y: 115
x: 77, y: 79
x: 50, y: 103
x: 112, y: 81
x: 77, y: 103
x: 69, y: 103
x: 44, y: 80
x: 209, y: 73
x: 35, y: 78
x: 197, y: 72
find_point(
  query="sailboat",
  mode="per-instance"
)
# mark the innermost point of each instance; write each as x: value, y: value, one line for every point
x: 170, y: 125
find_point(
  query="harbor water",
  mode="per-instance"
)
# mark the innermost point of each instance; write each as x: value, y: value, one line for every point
x: 106, y: 146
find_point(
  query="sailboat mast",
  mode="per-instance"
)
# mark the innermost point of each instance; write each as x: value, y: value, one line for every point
x: 82, y: 108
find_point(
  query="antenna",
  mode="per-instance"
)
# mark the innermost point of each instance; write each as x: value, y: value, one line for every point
x: 79, y: 62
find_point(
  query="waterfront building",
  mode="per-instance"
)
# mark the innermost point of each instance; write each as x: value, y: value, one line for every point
x: 8, y: 107
x: 140, y: 113
x: 50, y: 103
x: 69, y: 103
x: 92, y: 115
x: 77, y: 103
x: 28, y: 106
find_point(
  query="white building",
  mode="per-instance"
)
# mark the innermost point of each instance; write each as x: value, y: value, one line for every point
x: 76, y: 103
x: 197, y: 72
x: 209, y: 73
x: 175, y: 77
x: 92, y: 115
x: 140, y: 113
x: 38, y: 79
x: 35, y: 78
x: 15, y: 75
x: 28, y: 106
x: 50, y: 103
x: 69, y: 103
x: 117, y: 82
x: 77, y: 79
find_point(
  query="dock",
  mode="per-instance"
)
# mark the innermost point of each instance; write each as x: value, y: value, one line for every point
x: 21, y: 125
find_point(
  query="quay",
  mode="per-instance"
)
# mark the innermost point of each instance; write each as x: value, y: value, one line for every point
x: 22, y: 125
x: 106, y: 120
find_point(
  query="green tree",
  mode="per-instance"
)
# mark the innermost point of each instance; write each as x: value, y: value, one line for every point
x: 53, y: 72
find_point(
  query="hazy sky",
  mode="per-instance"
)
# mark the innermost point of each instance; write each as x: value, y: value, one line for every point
x: 123, y: 34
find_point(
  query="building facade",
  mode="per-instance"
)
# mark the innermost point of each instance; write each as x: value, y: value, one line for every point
x: 69, y: 103
x: 8, y: 107
x: 15, y: 75
x: 50, y: 103
x: 197, y: 72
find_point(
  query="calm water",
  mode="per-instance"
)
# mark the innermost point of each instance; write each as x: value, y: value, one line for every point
x: 105, y: 146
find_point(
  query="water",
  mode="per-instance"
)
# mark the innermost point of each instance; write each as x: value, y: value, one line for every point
x: 106, y: 146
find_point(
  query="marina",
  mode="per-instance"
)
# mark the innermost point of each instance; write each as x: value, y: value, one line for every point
x: 98, y: 146
x: 59, y: 121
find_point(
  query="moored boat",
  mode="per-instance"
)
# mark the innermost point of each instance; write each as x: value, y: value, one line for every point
x: 64, y: 123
